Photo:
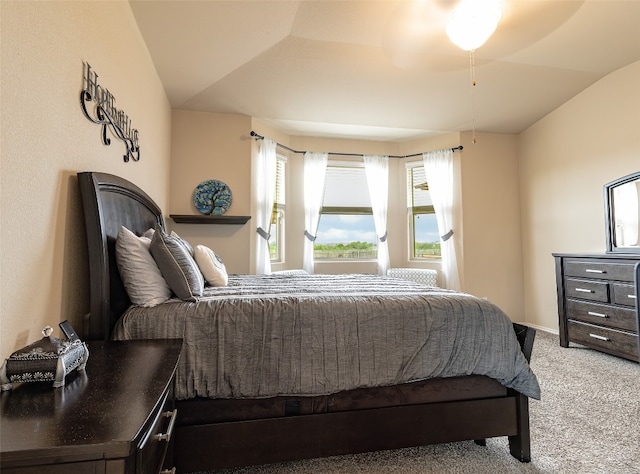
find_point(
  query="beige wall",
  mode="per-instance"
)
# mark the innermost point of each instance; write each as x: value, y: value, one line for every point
x: 565, y: 159
x: 213, y: 146
x: 492, y: 252
x: 45, y: 140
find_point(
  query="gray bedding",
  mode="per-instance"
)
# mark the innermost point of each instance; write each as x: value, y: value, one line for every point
x: 263, y: 336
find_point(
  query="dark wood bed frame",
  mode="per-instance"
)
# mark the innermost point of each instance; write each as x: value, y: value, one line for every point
x: 213, y: 434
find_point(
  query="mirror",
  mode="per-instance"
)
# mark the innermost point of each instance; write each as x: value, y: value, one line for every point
x: 622, y: 214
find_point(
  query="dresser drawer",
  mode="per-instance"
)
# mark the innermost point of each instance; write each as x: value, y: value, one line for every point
x: 587, y: 289
x: 154, y: 445
x: 602, y: 314
x: 602, y: 270
x: 612, y: 341
x: 623, y: 294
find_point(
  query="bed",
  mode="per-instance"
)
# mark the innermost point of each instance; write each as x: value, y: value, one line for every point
x: 313, y: 365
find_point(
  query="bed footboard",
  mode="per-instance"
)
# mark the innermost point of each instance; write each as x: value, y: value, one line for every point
x: 268, y: 440
x: 252, y: 442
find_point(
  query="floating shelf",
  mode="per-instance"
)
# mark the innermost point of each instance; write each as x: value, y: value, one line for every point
x: 203, y: 219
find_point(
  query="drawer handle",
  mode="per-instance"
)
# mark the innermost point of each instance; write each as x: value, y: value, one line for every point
x: 633, y: 297
x: 600, y: 315
x: 597, y: 336
x: 589, y: 270
x: 168, y: 471
x: 584, y: 290
x: 167, y: 436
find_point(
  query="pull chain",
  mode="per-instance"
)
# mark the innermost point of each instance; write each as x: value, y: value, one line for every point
x: 472, y: 73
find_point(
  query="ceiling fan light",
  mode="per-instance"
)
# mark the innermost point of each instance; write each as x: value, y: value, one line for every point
x: 473, y: 22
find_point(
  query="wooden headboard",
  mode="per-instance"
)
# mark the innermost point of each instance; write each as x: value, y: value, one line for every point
x: 110, y: 202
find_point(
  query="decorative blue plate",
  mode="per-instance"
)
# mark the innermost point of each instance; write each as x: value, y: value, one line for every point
x: 212, y: 197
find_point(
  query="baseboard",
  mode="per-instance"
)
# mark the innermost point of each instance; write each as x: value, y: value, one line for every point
x: 541, y: 328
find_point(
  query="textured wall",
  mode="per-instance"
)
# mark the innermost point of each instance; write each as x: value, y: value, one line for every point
x: 565, y: 159
x: 45, y: 140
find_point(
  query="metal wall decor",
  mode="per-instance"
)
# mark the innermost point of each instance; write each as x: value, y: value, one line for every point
x: 107, y: 114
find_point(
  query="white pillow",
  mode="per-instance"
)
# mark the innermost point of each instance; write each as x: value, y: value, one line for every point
x: 211, y: 266
x: 139, y: 272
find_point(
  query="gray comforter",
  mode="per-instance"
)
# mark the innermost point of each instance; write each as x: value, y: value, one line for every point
x: 263, y: 336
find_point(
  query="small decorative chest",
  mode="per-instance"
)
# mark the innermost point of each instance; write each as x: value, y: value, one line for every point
x: 48, y: 360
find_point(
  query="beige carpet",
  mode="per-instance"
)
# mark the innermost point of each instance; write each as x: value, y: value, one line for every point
x: 588, y: 421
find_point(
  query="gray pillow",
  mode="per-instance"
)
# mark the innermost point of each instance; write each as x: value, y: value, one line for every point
x: 186, y: 244
x: 177, y: 266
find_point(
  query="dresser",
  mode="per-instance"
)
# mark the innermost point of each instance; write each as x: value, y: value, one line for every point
x: 597, y: 302
x: 116, y: 417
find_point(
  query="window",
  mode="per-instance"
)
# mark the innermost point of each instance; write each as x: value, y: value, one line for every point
x: 423, y: 227
x: 276, y: 241
x: 346, y: 229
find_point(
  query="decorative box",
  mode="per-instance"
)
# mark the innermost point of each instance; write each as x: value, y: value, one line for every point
x: 48, y: 360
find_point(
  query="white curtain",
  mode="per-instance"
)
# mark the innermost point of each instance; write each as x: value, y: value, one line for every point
x: 377, y: 170
x: 265, y: 195
x: 438, y: 166
x: 315, y: 169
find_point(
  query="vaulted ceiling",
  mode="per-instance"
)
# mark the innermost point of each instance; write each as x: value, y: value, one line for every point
x: 382, y: 70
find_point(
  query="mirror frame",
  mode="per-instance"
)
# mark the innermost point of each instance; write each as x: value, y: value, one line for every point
x: 609, y: 211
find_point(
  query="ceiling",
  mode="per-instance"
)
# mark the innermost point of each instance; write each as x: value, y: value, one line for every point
x: 382, y: 70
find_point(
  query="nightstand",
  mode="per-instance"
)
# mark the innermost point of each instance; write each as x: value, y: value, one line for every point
x: 116, y: 417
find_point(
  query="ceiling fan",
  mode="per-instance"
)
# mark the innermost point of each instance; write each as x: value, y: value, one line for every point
x: 419, y: 33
